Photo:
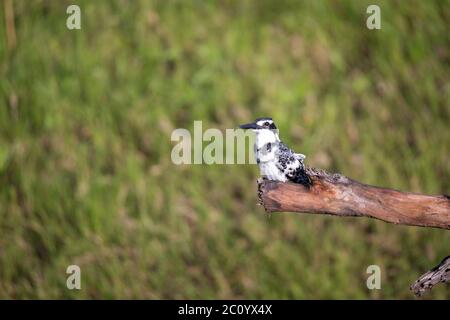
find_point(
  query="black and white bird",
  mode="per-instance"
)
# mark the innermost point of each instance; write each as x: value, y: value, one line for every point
x: 275, y: 159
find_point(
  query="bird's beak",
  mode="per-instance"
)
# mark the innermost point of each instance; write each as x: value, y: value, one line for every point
x: 250, y: 126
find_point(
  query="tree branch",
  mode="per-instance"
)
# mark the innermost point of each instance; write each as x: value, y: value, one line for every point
x: 338, y: 195
x: 440, y: 273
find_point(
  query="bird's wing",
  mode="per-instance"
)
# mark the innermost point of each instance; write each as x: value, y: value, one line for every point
x: 285, y: 148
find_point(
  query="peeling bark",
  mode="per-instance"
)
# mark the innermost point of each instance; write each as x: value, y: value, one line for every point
x: 338, y: 195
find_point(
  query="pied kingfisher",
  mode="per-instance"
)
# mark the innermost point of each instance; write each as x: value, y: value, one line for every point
x: 276, y: 160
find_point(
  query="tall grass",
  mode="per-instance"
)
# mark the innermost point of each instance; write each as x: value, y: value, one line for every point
x: 85, y: 124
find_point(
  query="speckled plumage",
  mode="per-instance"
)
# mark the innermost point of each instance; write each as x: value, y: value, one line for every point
x: 275, y: 159
x: 291, y: 164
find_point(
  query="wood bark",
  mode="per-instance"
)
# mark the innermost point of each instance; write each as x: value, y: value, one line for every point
x: 440, y: 273
x: 338, y: 195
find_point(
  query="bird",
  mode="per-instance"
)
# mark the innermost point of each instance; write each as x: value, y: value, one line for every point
x: 275, y: 159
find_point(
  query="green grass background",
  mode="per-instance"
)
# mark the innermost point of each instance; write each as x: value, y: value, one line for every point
x: 86, y: 118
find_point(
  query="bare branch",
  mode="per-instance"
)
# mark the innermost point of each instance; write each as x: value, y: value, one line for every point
x: 440, y: 273
x: 338, y: 195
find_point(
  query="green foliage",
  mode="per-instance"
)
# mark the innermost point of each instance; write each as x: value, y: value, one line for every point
x: 85, y: 124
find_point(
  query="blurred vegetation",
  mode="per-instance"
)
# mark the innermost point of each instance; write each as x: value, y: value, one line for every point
x: 86, y: 118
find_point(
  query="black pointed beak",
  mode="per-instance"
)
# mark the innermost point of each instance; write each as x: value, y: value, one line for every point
x: 249, y: 126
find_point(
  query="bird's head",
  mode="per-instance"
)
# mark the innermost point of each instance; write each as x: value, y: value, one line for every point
x: 260, y: 124
x: 264, y: 126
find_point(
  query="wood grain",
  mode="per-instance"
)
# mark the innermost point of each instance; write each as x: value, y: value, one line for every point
x: 338, y: 195
x: 440, y: 273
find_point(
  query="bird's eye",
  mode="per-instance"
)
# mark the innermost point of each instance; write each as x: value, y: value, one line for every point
x: 266, y: 123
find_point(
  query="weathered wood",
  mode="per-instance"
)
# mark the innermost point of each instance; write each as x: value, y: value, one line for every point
x: 440, y: 273
x: 338, y: 195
